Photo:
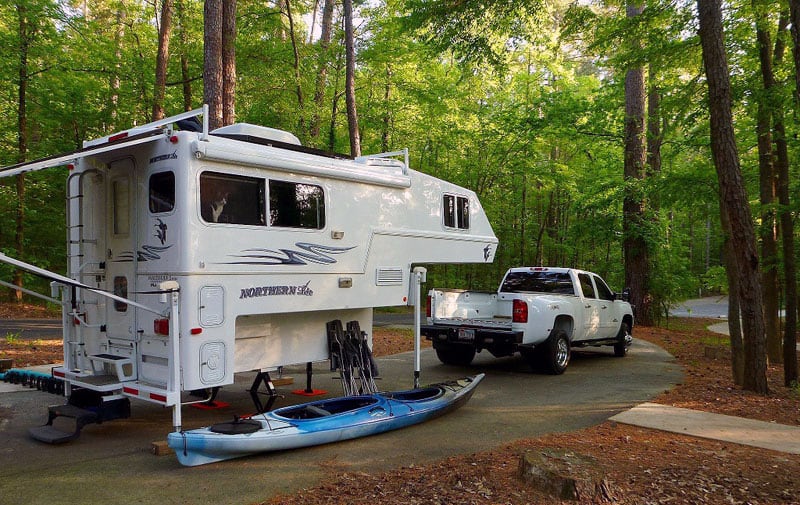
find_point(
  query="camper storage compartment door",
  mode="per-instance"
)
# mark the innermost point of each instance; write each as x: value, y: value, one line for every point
x: 212, y: 305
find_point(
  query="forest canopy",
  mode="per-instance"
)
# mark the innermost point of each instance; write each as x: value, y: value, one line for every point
x: 523, y: 102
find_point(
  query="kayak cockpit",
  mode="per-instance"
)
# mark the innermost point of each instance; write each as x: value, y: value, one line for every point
x: 326, y: 408
x: 415, y: 395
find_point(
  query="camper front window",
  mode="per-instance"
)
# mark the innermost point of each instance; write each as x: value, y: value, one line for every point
x: 232, y: 199
x: 456, y: 212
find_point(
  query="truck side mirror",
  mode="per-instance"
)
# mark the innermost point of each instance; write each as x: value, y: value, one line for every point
x: 625, y: 296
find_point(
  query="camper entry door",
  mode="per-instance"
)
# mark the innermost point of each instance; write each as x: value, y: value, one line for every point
x: 121, y: 247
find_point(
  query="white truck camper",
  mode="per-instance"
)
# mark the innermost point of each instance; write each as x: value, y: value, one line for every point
x: 194, y: 255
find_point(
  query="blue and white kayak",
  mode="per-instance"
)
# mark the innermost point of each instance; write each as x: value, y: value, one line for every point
x: 320, y: 422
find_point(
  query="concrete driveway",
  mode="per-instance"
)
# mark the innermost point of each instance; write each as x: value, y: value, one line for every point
x: 112, y: 463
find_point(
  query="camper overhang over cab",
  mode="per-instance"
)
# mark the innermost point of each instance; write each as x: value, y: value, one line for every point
x: 195, y: 255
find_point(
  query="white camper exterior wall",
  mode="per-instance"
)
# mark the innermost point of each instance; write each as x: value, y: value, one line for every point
x: 256, y: 295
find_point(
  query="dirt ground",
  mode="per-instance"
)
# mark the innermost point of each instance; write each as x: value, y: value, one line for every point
x: 622, y: 464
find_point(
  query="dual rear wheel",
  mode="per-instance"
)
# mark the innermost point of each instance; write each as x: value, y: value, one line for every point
x: 553, y: 355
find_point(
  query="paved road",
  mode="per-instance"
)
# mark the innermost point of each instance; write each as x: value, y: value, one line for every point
x: 713, y: 306
x: 111, y: 463
x: 31, y: 329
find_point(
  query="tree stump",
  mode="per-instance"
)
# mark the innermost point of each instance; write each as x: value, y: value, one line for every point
x: 564, y: 475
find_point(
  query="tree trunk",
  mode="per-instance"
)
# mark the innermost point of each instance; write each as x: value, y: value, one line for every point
x: 635, y: 245
x: 212, y: 61
x: 733, y: 198
x: 790, y: 271
x: 183, y: 38
x: 162, y: 59
x: 768, y: 228
x: 734, y: 315
x: 24, y: 32
x: 654, y: 141
x: 335, y: 106
x: 790, y: 372
x: 387, y: 114
x: 114, y: 79
x: 775, y: 350
x: 297, y: 78
x: 228, y: 62
x: 322, y: 66
x: 350, y: 80
x: 654, y: 136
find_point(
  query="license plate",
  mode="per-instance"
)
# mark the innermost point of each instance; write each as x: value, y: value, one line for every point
x: 466, y: 335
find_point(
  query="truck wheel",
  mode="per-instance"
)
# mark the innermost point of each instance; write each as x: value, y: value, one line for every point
x: 624, y: 341
x: 461, y: 355
x: 556, y: 353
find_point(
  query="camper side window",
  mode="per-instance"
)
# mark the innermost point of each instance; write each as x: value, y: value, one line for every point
x: 162, y: 192
x: 456, y: 212
x: 232, y: 199
x: 296, y: 205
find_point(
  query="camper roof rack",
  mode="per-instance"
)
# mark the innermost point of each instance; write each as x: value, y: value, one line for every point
x: 154, y: 127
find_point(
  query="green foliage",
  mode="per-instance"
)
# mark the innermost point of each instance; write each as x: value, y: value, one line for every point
x: 520, y: 101
x: 715, y: 281
x: 13, y: 337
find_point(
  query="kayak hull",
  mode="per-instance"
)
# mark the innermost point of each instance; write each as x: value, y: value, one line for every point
x: 320, y: 422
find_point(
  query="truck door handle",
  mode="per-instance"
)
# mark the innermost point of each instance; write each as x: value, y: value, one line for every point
x: 587, y: 307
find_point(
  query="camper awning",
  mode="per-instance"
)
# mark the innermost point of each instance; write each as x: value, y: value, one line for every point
x: 126, y: 138
x: 66, y: 158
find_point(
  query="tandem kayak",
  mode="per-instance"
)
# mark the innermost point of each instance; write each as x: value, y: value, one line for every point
x: 320, y: 422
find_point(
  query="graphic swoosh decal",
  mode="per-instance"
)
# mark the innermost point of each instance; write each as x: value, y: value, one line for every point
x: 310, y: 253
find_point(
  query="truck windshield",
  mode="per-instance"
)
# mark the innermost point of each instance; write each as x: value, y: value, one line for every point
x: 538, y: 282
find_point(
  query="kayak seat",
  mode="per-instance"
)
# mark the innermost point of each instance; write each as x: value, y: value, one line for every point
x: 314, y: 411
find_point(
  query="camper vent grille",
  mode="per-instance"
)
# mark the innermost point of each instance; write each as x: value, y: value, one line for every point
x: 389, y: 276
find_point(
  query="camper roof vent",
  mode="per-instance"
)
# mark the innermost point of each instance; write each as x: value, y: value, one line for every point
x: 261, y: 132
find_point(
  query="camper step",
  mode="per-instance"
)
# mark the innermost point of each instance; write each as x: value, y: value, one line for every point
x: 51, y: 435
x: 101, y: 383
x: 64, y: 423
x: 121, y: 365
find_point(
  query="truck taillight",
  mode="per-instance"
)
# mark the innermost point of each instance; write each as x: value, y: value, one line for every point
x: 161, y: 326
x: 520, y: 311
x: 428, y: 303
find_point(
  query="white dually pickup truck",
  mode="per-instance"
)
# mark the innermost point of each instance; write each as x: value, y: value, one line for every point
x: 540, y: 312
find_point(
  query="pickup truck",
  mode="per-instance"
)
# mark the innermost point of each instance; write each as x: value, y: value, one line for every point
x: 540, y: 312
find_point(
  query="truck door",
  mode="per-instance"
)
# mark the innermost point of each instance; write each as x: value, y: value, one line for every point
x: 121, y: 246
x: 609, y: 319
x: 591, y: 309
